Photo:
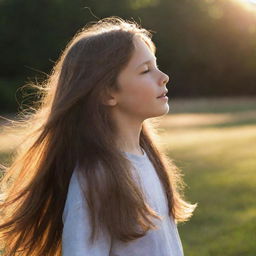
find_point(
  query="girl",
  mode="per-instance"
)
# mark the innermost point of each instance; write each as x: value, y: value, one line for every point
x: 89, y: 179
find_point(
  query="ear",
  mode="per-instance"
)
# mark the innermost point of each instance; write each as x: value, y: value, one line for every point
x: 110, y: 102
x: 109, y: 99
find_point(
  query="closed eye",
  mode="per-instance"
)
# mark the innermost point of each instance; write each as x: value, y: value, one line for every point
x: 146, y: 71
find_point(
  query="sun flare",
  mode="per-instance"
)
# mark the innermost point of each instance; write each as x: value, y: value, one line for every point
x: 248, y: 4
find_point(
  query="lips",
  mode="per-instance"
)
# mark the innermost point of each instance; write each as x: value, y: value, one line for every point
x: 163, y: 94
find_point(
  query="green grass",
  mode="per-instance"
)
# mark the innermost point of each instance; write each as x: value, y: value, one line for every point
x: 218, y: 158
x: 214, y: 143
x: 220, y: 174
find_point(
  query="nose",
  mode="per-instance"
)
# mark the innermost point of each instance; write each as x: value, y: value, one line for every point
x: 165, y: 79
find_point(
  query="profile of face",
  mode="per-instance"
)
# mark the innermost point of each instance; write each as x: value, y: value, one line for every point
x: 141, y: 83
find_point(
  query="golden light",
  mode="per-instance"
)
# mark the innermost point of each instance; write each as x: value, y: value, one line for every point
x: 250, y: 5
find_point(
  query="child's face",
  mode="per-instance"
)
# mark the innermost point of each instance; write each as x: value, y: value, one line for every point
x: 140, y: 85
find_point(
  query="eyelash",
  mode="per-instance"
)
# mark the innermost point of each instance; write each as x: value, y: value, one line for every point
x: 146, y: 71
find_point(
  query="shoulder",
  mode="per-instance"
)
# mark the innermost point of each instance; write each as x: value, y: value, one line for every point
x: 74, y: 198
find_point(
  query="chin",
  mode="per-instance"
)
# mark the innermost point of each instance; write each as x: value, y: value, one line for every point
x: 166, y: 111
x: 163, y: 113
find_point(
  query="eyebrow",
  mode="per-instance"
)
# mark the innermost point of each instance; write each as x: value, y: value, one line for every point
x: 146, y: 62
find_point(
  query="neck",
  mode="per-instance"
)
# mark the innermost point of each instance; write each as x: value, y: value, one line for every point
x: 128, y: 135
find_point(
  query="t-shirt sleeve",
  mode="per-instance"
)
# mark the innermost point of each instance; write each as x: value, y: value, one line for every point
x: 77, y: 227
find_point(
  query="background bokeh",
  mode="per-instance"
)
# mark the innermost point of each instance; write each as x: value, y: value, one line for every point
x: 208, y: 48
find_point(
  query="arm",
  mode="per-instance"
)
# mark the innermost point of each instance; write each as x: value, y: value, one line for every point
x: 77, y: 228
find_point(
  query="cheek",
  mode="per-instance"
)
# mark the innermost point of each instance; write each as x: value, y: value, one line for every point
x: 138, y: 98
x: 138, y: 91
x: 143, y: 87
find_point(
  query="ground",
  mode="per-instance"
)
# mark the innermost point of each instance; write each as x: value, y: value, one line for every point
x: 213, y: 142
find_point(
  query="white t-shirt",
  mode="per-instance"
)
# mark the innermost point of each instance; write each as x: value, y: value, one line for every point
x: 164, y: 241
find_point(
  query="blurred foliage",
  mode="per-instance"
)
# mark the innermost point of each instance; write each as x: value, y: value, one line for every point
x: 206, y: 46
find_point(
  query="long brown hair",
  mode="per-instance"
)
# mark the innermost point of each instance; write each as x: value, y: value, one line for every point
x: 70, y: 125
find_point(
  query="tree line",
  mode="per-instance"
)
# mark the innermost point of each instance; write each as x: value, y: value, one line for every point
x: 207, y: 47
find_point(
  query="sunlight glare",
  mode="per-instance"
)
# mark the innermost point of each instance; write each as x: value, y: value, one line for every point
x: 250, y: 5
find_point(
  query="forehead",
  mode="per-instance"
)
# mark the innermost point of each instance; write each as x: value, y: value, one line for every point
x: 142, y: 52
x: 140, y: 42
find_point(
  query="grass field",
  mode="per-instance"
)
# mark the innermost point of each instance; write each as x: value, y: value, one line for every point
x: 214, y: 143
